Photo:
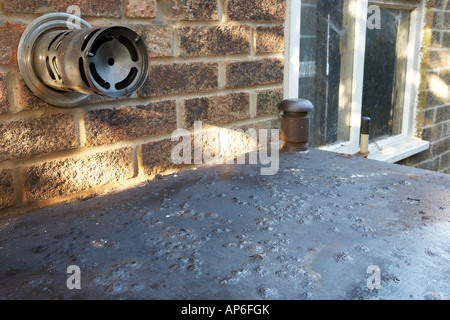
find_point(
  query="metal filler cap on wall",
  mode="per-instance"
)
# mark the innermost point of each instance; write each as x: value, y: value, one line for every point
x: 295, y: 124
x: 64, y: 66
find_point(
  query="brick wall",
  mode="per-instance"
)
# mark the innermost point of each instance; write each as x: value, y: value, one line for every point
x: 436, y: 94
x: 220, y: 61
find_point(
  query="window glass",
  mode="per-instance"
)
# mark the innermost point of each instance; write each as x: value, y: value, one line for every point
x: 384, y: 72
x: 321, y: 34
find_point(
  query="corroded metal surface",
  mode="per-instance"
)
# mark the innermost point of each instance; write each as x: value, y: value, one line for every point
x: 225, y: 232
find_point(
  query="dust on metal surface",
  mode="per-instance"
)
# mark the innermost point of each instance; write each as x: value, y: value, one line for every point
x: 225, y: 232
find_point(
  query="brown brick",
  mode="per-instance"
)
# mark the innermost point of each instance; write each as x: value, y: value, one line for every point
x: 4, y: 102
x: 428, y: 117
x: 441, y: 20
x: 446, y: 129
x: 443, y: 113
x: 214, y: 40
x: 268, y: 100
x: 98, y: 8
x: 9, y: 41
x: 417, y: 158
x: 26, y: 100
x: 211, y: 144
x: 159, y: 39
x: 196, y: 9
x: 64, y: 177
x: 438, y: 92
x: 268, y: 125
x: 156, y: 156
x: 256, y: 10
x: 439, y: 59
x: 37, y: 136
x: 440, y: 147
x: 256, y: 72
x: 444, y: 75
x: 124, y: 123
x: 432, y: 133
x: 446, y: 39
x: 436, y: 39
x: 180, y: 78
x: 217, y: 144
x: 439, y: 4
x: 432, y: 165
x: 444, y: 161
x: 217, y: 110
x: 433, y: 99
x: 7, y: 197
x: 140, y: 8
x: 208, y: 144
x: 269, y: 39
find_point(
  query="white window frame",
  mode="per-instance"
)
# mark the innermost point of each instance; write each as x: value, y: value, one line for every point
x: 394, y: 148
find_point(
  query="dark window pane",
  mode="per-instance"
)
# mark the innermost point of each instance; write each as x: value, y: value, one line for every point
x: 320, y: 63
x: 384, y: 69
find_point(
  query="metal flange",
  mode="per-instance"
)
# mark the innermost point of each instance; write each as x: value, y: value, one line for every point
x: 25, y: 56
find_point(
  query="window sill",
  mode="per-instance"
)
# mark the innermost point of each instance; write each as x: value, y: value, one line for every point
x: 397, y: 148
x: 391, y: 150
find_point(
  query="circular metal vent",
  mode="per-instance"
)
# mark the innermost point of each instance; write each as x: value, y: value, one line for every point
x: 65, y: 66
